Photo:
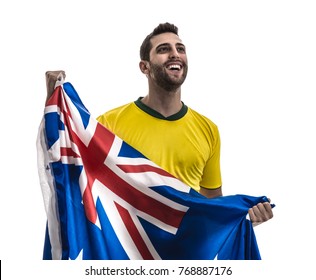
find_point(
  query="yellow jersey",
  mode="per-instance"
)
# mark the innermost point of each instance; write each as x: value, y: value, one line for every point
x: 186, y: 144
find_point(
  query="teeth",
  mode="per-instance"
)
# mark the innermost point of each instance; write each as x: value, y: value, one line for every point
x: 174, y: 66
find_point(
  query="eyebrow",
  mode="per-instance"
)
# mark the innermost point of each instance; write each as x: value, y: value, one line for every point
x: 167, y: 45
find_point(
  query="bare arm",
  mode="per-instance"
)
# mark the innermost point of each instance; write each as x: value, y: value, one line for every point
x: 51, y: 78
x: 210, y: 193
x: 258, y: 214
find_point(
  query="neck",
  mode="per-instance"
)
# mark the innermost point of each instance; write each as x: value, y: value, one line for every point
x: 166, y: 103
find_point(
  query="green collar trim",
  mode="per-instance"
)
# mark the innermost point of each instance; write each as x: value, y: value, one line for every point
x: 156, y: 114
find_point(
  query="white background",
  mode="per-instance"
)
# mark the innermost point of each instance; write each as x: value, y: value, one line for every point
x: 252, y: 69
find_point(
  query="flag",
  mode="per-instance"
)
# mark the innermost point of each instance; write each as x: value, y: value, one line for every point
x: 104, y: 200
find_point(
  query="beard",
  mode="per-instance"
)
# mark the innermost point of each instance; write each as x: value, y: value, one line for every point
x: 164, y: 80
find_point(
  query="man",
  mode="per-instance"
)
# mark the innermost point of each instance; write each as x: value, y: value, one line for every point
x: 159, y: 125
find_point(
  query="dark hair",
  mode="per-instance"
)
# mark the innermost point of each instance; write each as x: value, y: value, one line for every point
x: 161, y: 28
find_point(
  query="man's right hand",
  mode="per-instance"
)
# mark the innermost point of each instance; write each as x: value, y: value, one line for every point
x: 51, y: 78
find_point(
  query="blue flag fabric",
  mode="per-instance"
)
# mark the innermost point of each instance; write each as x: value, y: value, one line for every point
x: 104, y: 200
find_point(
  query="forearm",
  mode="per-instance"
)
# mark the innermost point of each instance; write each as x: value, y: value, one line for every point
x: 210, y: 193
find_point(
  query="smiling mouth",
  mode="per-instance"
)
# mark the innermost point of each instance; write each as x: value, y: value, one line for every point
x: 176, y: 67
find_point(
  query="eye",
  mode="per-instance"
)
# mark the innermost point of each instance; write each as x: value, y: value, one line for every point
x: 181, y: 49
x: 163, y: 49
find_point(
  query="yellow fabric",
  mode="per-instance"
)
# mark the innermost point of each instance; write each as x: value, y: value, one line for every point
x: 187, y: 147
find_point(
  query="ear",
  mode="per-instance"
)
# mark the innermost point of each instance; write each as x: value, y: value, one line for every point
x: 144, y: 66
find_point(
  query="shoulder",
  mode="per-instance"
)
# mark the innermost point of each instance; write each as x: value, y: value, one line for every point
x: 201, y: 119
x: 115, y: 112
x: 203, y: 125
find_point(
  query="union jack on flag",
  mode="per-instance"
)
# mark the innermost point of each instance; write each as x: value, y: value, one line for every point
x: 105, y: 200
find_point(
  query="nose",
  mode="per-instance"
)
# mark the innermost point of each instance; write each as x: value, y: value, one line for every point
x: 174, y: 53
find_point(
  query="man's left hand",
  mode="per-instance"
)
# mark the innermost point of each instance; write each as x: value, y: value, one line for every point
x: 260, y: 213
